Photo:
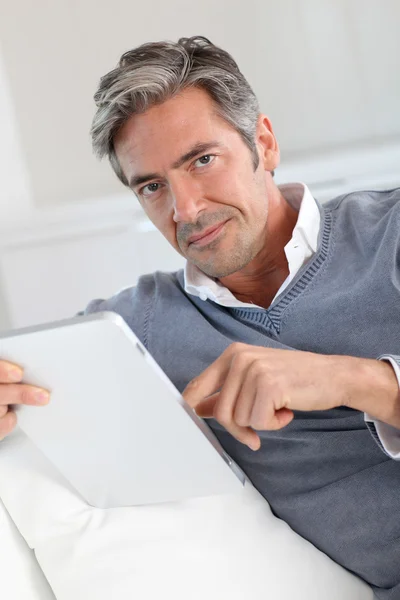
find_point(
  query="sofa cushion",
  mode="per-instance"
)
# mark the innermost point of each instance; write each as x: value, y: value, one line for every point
x: 21, y: 577
x: 227, y: 546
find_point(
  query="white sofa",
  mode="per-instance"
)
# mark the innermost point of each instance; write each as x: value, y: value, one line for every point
x: 53, y: 545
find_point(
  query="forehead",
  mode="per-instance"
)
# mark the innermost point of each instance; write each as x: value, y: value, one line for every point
x: 165, y: 131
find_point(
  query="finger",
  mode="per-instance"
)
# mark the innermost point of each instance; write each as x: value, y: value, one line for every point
x: 284, y: 416
x: 9, y: 372
x: 229, y: 394
x: 245, y: 435
x: 3, y: 411
x: 246, y: 398
x: 20, y: 393
x: 264, y: 416
x: 211, y: 379
x: 205, y: 408
x: 7, y: 423
x: 206, y: 384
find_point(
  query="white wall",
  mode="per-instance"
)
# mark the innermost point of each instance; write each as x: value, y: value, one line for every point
x: 53, y: 265
x: 15, y: 193
x: 326, y: 71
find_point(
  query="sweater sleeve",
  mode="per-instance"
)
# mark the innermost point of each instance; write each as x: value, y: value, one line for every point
x: 134, y: 304
x: 386, y: 436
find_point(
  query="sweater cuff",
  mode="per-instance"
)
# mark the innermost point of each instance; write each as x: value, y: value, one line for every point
x: 386, y: 436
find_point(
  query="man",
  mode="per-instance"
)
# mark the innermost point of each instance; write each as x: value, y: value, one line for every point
x: 284, y: 327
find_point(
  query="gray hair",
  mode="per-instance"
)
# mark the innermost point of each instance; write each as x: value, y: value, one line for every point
x: 154, y: 72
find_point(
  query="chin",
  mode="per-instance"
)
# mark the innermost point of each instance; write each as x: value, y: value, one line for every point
x: 221, y: 269
x: 225, y: 259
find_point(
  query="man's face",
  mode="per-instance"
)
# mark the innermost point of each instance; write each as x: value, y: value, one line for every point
x: 195, y: 178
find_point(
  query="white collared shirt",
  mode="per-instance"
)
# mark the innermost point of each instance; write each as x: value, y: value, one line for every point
x: 300, y: 248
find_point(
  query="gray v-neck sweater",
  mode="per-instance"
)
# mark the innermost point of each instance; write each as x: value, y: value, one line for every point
x: 324, y: 473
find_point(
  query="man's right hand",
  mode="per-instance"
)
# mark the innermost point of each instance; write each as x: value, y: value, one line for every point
x: 12, y: 391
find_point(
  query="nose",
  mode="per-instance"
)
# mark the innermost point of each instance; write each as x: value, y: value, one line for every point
x: 187, y: 200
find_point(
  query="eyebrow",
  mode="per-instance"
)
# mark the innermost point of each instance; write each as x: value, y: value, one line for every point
x: 198, y: 148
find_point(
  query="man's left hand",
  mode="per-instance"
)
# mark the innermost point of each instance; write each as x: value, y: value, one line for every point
x: 252, y: 388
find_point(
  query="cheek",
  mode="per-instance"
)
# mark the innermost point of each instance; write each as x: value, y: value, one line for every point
x: 233, y: 185
x: 223, y: 189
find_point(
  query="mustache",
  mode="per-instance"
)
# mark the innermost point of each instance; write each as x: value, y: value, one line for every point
x: 185, y: 230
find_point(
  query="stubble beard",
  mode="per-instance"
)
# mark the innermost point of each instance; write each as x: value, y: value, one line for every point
x: 222, y: 263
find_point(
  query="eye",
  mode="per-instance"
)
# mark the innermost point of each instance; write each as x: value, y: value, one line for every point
x: 149, y: 189
x: 204, y: 160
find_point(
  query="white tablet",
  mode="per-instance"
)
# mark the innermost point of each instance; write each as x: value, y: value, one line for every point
x: 116, y: 427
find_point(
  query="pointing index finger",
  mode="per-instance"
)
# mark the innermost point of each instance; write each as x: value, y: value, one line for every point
x: 208, y: 382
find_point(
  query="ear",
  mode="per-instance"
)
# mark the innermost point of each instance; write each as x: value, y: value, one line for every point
x: 266, y: 143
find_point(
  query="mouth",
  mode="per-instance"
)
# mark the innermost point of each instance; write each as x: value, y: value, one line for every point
x: 207, y: 236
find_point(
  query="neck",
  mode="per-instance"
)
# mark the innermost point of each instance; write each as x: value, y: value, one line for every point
x: 259, y: 281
